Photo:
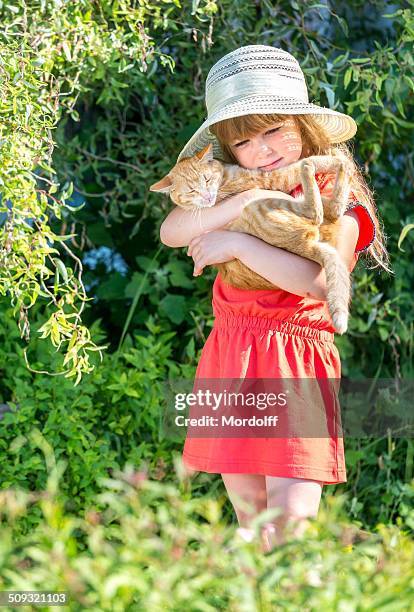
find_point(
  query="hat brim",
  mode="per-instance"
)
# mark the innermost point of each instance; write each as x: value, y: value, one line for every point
x: 337, y: 126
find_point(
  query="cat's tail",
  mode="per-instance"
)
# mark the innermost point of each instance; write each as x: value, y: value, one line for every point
x: 338, y: 285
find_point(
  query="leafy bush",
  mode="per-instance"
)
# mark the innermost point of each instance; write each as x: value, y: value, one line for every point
x: 150, y: 547
x: 112, y: 417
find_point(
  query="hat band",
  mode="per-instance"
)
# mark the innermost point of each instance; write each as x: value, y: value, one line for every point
x: 239, y: 86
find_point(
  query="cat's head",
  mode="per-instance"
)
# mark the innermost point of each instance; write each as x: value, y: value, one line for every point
x: 194, y: 181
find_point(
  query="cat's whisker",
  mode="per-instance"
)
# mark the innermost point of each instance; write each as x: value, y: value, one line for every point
x: 200, y: 218
x: 197, y: 212
x: 194, y: 212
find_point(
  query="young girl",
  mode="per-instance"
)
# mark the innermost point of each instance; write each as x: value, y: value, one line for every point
x: 259, y: 117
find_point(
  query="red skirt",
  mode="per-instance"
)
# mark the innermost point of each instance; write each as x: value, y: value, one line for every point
x: 270, y: 335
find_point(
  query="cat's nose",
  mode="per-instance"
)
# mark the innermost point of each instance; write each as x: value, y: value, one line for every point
x: 207, y: 196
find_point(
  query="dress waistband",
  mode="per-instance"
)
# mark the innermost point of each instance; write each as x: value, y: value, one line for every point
x: 267, y: 323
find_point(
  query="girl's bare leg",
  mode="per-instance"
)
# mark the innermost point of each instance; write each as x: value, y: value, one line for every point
x: 250, y: 494
x: 247, y: 493
x: 298, y: 499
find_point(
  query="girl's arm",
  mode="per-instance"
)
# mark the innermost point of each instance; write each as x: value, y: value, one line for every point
x: 291, y: 272
x: 181, y: 226
x: 286, y: 270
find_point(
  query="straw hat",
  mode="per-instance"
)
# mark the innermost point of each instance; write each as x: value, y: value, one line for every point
x: 259, y: 79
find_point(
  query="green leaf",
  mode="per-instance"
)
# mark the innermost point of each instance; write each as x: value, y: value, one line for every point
x: 190, y: 349
x: 395, y: 119
x: 135, y: 303
x: 342, y: 22
x: 403, y: 234
x: 341, y: 59
x: 389, y: 15
x: 353, y: 456
x: 361, y: 60
x: 173, y: 306
x: 384, y: 333
x: 389, y: 87
x: 180, y: 274
x: 133, y: 285
x: 329, y: 94
x: 409, y: 81
x: 62, y: 268
x: 147, y: 264
x: 113, y: 288
x: 399, y: 105
x: 347, y: 77
x: 66, y: 50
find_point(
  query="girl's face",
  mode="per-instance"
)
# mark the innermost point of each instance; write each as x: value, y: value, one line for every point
x: 276, y: 146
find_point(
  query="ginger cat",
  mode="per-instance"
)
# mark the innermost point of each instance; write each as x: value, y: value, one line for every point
x: 307, y: 226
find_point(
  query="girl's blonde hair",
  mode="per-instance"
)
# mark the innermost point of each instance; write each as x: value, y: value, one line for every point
x: 314, y: 142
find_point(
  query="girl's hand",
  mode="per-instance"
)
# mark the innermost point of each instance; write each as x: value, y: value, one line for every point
x: 213, y: 247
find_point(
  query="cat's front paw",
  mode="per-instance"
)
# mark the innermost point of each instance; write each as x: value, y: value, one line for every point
x: 345, y: 166
x: 345, y: 171
x: 349, y: 169
x: 308, y: 167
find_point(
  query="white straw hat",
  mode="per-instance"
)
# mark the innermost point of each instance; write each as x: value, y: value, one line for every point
x: 258, y: 79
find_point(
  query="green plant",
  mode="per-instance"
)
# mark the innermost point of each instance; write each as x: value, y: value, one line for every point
x: 150, y: 546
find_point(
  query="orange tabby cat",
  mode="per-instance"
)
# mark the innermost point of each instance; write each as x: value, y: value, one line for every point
x: 307, y: 226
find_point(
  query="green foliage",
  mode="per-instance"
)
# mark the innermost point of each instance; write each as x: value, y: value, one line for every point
x: 50, y: 54
x: 26, y: 238
x: 112, y: 417
x: 150, y: 546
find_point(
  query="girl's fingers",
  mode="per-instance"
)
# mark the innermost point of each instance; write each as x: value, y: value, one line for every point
x: 196, y: 253
x: 198, y: 266
x: 194, y: 241
x: 191, y: 247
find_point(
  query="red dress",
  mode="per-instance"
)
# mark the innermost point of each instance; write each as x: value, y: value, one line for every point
x: 270, y: 334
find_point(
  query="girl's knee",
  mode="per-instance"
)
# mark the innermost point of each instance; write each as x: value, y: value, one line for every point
x: 297, y: 498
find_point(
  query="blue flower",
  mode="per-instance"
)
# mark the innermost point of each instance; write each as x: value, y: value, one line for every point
x: 106, y: 256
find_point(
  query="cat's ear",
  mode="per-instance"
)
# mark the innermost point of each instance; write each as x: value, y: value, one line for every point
x: 163, y: 186
x: 205, y: 154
